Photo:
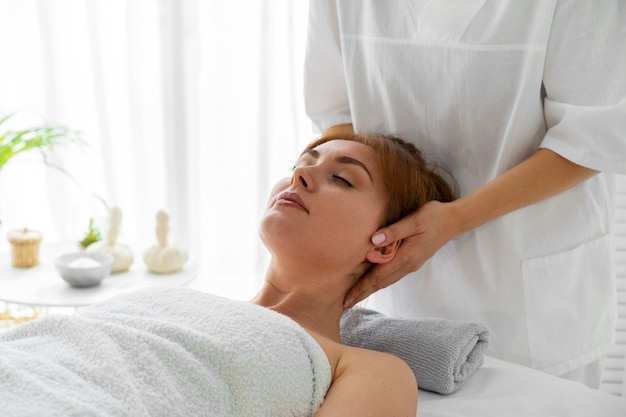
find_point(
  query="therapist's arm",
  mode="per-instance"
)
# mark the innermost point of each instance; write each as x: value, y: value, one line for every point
x: 543, y: 175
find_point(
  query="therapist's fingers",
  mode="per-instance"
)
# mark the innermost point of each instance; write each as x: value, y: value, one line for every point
x: 422, y: 234
x: 383, y: 275
x: 398, y: 231
x: 379, y: 277
x: 426, y: 224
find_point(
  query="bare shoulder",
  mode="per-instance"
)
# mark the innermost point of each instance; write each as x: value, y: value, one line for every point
x: 386, y: 373
x: 366, y: 383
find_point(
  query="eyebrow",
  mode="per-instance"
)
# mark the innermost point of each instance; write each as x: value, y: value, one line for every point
x: 344, y: 160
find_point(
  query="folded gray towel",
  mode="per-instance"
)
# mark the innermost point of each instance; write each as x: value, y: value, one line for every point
x: 443, y: 354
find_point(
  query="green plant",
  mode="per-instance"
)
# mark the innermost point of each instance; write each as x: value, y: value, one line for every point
x: 93, y: 235
x: 44, y: 138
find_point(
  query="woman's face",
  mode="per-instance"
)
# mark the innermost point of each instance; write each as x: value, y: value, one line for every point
x: 326, y: 213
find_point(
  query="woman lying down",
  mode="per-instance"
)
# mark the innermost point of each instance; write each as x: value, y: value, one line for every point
x: 179, y: 352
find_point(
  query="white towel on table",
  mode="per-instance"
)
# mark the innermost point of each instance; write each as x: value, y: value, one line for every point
x: 162, y: 352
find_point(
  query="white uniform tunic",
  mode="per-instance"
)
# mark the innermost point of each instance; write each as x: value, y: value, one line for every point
x: 481, y: 85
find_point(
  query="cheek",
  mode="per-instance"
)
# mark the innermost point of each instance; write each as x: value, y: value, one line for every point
x: 354, y: 221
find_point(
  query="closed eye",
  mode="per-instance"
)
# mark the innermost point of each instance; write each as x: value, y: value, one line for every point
x: 343, y: 180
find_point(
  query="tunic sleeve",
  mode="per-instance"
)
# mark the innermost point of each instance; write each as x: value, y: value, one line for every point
x: 585, y: 84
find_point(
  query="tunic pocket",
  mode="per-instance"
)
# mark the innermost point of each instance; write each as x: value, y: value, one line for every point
x: 570, y: 305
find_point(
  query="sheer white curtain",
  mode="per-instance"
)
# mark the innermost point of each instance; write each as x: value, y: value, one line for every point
x: 192, y: 106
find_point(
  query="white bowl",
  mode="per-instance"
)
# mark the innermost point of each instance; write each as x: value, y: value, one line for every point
x: 82, y: 269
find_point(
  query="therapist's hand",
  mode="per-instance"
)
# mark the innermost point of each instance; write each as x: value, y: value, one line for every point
x: 422, y: 233
x: 542, y: 175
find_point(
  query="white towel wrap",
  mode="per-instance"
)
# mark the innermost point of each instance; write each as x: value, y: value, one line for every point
x: 163, y: 352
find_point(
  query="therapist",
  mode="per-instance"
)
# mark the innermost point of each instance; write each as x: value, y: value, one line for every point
x: 524, y: 102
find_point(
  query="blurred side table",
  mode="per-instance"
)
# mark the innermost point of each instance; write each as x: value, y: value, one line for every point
x: 39, y: 288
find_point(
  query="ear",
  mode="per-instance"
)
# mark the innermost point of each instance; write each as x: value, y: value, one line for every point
x: 383, y: 254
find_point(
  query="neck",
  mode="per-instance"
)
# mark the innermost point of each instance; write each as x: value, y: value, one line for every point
x: 315, y: 307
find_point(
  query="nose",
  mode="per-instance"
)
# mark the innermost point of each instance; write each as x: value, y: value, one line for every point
x: 302, y: 177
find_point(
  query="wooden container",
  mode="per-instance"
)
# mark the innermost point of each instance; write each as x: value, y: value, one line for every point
x: 25, y: 247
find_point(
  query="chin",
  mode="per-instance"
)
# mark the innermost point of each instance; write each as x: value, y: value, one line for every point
x: 276, y: 231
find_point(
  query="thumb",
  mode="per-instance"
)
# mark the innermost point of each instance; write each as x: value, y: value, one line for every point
x: 393, y: 233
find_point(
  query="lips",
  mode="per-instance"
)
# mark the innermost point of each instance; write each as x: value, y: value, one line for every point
x: 287, y: 198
